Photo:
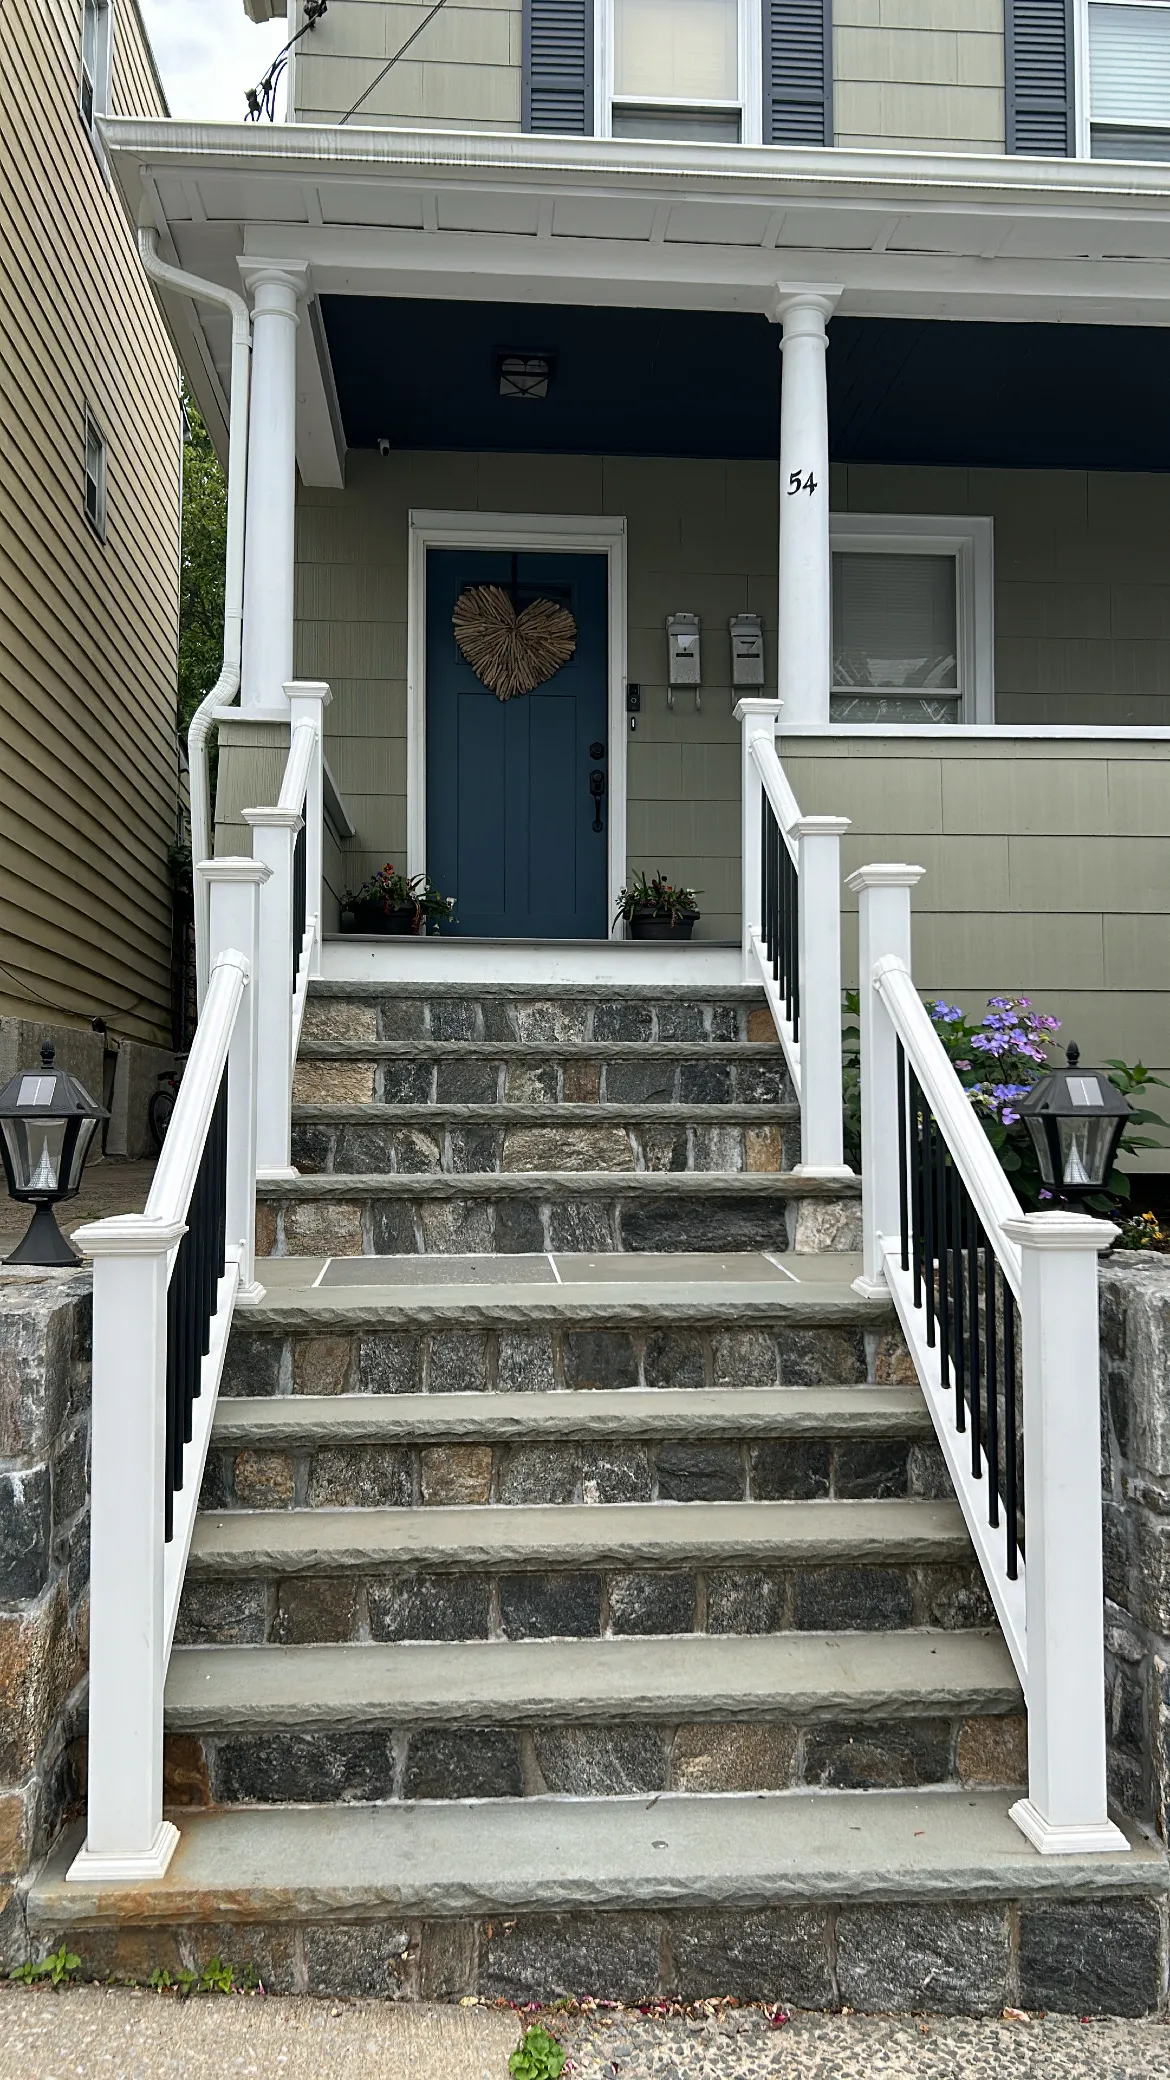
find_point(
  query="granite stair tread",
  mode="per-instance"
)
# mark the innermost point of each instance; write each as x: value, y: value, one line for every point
x: 447, y: 1858
x: 573, y: 1535
x: 852, y: 1677
x: 551, y: 1184
x: 297, y: 1422
x: 604, y: 1303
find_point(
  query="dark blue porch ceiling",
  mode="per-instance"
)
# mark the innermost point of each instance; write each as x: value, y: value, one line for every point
x: 645, y: 382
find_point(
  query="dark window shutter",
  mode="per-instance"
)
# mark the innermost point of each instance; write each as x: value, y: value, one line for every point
x: 557, y: 90
x: 1038, y: 67
x: 798, y: 72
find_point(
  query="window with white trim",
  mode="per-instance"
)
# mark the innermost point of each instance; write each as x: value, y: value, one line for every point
x: 682, y: 69
x: 913, y: 619
x: 93, y: 92
x: 1124, y: 50
x: 95, y: 476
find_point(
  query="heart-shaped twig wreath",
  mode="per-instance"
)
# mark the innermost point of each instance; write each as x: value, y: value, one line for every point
x: 510, y: 652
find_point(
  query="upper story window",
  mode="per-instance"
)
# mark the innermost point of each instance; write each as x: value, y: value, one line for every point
x: 1125, y: 58
x: 96, y: 40
x: 676, y: 70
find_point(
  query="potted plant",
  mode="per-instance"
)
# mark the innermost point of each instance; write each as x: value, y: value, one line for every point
x: 394, y: 902
x: 655, y: 909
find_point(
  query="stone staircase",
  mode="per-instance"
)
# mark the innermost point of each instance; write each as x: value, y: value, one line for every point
x: 577, y: 1602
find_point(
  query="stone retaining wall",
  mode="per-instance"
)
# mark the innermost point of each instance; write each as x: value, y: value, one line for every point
x: 45, y: 1325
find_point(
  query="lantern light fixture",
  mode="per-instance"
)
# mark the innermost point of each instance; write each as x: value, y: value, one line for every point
x: 1076, y: 1118
x: 47, y: 1124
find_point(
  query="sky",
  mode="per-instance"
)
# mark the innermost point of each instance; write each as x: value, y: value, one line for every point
x: 209, y: 54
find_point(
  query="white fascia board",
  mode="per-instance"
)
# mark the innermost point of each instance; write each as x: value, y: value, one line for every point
x: 261, y: 11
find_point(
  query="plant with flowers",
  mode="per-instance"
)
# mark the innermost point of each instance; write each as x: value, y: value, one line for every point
x: 997, y: 1061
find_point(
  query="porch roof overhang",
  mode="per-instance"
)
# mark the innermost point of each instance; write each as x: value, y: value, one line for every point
x: 545, y: 220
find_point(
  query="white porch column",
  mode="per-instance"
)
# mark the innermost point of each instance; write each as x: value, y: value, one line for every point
x: 883, y: 916
x: 1065, y: 1810
x: 805, y: 633
x: 272, y: 477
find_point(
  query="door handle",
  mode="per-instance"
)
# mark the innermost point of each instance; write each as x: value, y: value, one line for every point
x: 597, y: 790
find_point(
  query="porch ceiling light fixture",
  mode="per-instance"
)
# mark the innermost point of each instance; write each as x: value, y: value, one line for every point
x: 1076, y: 1118
x: 520, y: 374
x: 47, y: 1124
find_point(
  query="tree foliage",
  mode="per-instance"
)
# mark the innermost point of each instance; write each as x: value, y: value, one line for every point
x: 202, y: 571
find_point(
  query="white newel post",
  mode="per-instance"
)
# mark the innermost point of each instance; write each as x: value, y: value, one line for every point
x: 126, y: 1836
x: 269, y: 545
x: 234, y: 890
x: 1066, y: 1809
x: 308, y: 700
x: 273, y: 839
x: 883, y: 907
x: 819, y: 898
x: 805, y: 636
x: 757, y: 718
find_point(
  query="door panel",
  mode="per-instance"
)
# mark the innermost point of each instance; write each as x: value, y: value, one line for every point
x: 509, y: 813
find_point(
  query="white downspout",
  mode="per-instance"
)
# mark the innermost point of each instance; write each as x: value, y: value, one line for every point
x: 228, y: 684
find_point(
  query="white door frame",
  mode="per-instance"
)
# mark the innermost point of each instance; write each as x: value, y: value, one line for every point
x: 523, y: 533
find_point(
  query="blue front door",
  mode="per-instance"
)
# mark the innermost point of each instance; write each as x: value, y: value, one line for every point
x: 514, y: 832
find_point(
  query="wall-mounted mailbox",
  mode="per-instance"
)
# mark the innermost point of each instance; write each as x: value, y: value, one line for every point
x: 747, y: 650
x: 682, y: 638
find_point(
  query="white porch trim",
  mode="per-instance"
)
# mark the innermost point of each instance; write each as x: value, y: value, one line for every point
x: 632, y: 963
x: 573, y: 534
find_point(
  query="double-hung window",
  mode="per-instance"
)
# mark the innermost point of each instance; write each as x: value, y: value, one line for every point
x: 677, y: 69
x: 1124, y: 54
x: 93, y: 90
x: 94, y: 480
x: 912, y: 619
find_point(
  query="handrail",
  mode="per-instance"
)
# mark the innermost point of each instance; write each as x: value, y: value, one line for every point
x: 165, y: 1285
x: 298, y: 765
x: 951, y: 1104
x: 178, y: 1164
x: 999, y: 1311
x: 792, y: 934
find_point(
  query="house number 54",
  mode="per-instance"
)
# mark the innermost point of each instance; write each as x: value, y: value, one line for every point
x: 798, y: 482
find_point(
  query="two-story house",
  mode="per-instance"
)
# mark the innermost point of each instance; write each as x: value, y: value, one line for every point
x: 89, y: 538
x: 601, y: 1585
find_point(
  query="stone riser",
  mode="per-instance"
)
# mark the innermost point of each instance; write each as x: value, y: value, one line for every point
x: 390, y: 1149
x: 383, y: 1476
x: 573, y: 1216
x: 967, y: 1956
x: 538, y: 1360
x: 298, y: 1610
x: 284, y: 1767
x: 511, y: 1016
x: 734, y: 1077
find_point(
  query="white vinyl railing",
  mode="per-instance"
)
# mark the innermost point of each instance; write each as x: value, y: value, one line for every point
x: 999, y: 1310
x: 792, y: 934
x: 165, y: 1285
x: 288, y: 837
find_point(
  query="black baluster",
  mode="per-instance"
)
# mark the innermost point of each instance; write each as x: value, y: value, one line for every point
x: 795, y: 955
x: 991, y: 1342
x: 942, y: 1249
x: 915, y: 1103
x: 1009, y: 1429
x: 976, y: 1366
x: 903, y: 1200
x: 928, y: 1137
x: 958, y: 1207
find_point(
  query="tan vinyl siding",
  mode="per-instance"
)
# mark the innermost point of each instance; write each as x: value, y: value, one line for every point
x: 463, y: 73
x: 88, y: 630
x: 1047, y: 873
x: 919, y: 75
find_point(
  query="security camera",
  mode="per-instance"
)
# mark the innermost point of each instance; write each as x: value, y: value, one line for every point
x: 383, y: 445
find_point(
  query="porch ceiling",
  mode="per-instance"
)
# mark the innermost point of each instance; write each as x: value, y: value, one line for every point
x: 638, y: 382
x: 545, y: 221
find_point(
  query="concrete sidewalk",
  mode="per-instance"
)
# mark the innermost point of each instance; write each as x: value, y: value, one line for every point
x: 94, y: 2033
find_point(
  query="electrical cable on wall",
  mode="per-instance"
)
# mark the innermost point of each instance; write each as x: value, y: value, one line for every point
x: 262, y: 99
x: 392, y: 62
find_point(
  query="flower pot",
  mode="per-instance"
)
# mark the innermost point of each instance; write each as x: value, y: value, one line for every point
x: 648, y: 923
x: 371, y: 918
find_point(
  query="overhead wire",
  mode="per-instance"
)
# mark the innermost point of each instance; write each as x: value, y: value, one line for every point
x: 392, y: 62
